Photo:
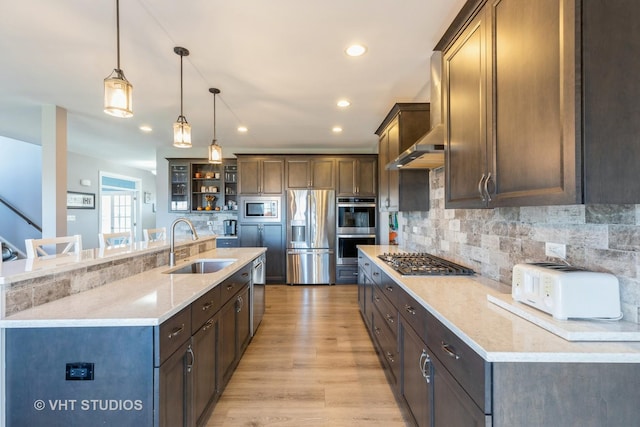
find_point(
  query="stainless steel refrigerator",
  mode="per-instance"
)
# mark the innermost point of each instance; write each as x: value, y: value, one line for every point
x: 311, y: 235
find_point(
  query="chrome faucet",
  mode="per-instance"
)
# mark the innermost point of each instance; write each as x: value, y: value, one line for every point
x: 194, y: 236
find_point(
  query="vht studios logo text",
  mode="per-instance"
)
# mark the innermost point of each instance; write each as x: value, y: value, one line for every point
x: 88, y: 405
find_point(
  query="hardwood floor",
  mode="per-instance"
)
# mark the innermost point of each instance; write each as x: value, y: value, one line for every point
x: 311, y: 363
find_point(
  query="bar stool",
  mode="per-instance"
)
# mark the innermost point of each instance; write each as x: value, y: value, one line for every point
x: 115, y: 239
x: 154, y: 234
x: 36, y: 247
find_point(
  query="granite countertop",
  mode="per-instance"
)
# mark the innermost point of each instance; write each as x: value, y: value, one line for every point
x: 144, y: 299
x: 496, y: 334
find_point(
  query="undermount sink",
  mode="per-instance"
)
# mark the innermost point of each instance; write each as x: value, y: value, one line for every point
x: 202, y: 266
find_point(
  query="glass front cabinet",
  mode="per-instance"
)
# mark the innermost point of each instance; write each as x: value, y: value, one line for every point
x: 196, y: 185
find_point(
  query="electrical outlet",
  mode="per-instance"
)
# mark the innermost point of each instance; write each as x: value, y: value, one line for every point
x: 555, y: 250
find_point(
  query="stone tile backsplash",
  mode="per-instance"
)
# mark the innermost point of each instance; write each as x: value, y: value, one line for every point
x: 597, y: 237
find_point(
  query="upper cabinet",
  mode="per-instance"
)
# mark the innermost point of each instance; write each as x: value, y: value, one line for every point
x: 197, y: 185
x: 515, y: 110
x: 357, y: 176
x: 260, y: 175
x: 405, y: 123
x: 310, y: 172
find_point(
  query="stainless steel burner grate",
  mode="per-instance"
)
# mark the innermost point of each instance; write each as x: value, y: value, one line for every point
x: 424, y: 264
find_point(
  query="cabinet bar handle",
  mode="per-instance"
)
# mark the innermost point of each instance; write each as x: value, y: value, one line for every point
x: 486, y: 187
x: 389, y: 318
x: 229, y: 287
x: 424, y: 361
x: 389, y: 288
x: 207, y: 306
x: 376, y: 330
x: 209, y: 324
x: 410, y: 309
x: 480, y: 188
x: 390, y: 357
x: 176, y: 331
x: 193, y: 358
x: 451, y: 352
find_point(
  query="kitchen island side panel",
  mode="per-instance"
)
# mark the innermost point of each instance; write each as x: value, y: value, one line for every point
x: 39, y: 393
x: 566, y: 394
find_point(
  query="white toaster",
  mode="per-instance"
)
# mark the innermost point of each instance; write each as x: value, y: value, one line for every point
x: 566, y: 292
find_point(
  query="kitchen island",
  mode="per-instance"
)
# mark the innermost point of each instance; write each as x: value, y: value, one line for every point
x: 150, y: 349
x: 456, y: 358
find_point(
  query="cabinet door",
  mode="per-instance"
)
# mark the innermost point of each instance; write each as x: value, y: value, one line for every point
x: 174, y: 394
x: 416, y: 371
x: 298, y: 174
x: 366, y: 178
x: 204, y: 368
x: 465, y: 111
x: 249, y: 235
x: 227, y: 343
x: 248, y: 176
x: 243, y: 321
x: 393, y: 176
x: 346, y: 177
x: 272, y: 176
x: 534, y: 139
x: 273, y: 239
x: 322, y: 174
x: 451, y: 405
x: 179, y: 186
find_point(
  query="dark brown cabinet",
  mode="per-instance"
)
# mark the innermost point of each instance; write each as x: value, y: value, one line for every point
x: 404, y: 124
x: 357, y: 177
x: 271, y: 236
x: 510, y: 107
x: 310, y: 172
x: 533, y: 96
x: 416, y: 376
x: 260, y: 175
x: 204, y: 369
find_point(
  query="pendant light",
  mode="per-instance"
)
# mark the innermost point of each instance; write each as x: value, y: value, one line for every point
x: 118, y: 92
x: 181, y: 128
x: 215, y: 151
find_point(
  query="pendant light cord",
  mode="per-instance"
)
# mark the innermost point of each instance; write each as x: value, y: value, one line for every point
x: 118, y: 32
x: 181, y: 115
x: 214, y: 117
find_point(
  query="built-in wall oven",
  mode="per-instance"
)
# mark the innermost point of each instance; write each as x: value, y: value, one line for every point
x: 356, y: 215
x: 347, y: 247
x: 355, y: 225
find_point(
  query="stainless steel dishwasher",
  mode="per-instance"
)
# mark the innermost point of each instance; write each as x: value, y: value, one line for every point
x: 258, y: 282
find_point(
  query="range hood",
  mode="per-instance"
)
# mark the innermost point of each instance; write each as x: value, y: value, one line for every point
x: 426, y: 153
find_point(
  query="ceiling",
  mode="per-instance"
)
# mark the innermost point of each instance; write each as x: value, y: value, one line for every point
x: 280, y: 66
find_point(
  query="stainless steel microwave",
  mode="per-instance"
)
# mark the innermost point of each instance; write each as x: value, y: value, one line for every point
x: 261, y: 209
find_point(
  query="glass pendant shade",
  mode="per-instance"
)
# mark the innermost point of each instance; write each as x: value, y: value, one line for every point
x: 118, y: 95
x: 215, y: 153
x: 181, y: 133
x: 118, y: 92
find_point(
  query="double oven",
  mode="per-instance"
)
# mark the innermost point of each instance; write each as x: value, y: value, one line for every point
x: 355, y: 225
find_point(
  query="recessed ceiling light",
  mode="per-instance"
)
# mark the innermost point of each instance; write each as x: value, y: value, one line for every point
x: 145, y: 128
x: 242, y: 129
x: 343, y: 103
x: 336, y: 129
x: 356, y: 50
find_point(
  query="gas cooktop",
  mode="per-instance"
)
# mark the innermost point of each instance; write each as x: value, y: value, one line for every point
x: 424, y: 264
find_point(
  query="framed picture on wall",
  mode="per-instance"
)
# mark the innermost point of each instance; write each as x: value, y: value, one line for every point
x: 77, y: 200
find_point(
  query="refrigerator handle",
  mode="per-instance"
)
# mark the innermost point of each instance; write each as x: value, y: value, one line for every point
x: 310, y: 210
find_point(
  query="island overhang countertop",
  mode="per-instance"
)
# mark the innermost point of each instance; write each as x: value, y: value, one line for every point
x: 143, y: 299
